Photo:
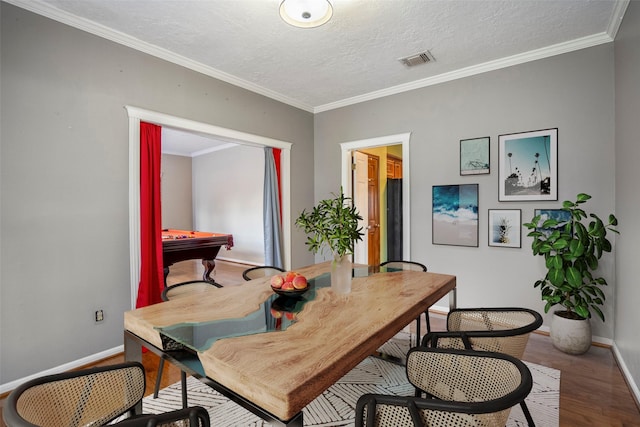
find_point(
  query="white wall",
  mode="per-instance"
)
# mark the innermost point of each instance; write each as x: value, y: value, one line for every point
x: 227, y: 194
x: 573, y: 92
x: 627, y: 51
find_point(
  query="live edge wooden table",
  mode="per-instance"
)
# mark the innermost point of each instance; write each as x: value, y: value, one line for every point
x: 274, y: 355
x: 181, y: 245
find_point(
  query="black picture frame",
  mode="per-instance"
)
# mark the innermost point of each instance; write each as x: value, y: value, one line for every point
x: 528, y: 166
x: 558, y: 214
x: 475, y: 155
x: 455, y: 212
x: 505, y: 228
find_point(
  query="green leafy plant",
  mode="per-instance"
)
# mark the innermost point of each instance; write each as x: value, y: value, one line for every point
x: 571, y: 252
x: 333, y: 223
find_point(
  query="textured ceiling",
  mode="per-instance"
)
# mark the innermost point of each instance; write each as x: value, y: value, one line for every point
x: 352, y: 58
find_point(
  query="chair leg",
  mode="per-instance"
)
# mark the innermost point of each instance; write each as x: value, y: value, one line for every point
x: 426, y: 315
x: 183, y: 380
x: 158, y: 378
x: 527, y: 414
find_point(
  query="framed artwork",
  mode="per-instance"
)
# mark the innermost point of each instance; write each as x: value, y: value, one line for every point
x: 505, y: 228
x: 528, y: 166
x: 474, y: 156
x: 558, y: 214
x: 455, y: 215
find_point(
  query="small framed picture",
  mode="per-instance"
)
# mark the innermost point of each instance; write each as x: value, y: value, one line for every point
x: 505, y: 228
x: 528, y: 166
x: 474, y: 156
x: 455, y: 215
x: 559, y: 215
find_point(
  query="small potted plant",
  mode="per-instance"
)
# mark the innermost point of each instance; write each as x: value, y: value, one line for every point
x: 571, y: 251
x: 333, y: 225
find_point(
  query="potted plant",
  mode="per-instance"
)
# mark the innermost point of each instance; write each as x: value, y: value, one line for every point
x: 333, y: 225
x: 571, y: 250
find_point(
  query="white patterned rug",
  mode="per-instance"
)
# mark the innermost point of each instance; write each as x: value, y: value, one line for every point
x: 335, y: 407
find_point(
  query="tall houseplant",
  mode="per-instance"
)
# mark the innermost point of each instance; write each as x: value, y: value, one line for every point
x: 333, y: 224
x: 572, y: 251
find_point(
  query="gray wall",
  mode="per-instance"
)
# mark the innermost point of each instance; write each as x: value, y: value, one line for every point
x: 177, y: 203
x: 64, y: 233
x: 227, y: 189
x: 627, y: 317
x: 63, y: 163
x: 573, y: 92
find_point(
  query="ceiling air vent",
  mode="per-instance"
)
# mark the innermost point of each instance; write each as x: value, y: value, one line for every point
x: 417, y: 59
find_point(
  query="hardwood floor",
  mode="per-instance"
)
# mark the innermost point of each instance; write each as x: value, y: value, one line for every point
x: 593, y: 391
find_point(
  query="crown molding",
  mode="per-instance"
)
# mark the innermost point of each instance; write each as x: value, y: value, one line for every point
x: 616, y: 17
x: 40, y: 8
x: 509, y: 61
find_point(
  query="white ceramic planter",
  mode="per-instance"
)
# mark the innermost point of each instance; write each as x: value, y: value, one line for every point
x: 570, y: 336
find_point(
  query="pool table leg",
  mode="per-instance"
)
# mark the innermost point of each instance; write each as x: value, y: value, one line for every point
x: 165, y: 270
x: 209, y: 265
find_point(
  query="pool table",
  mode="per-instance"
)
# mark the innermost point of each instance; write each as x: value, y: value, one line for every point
x: 181, y: 245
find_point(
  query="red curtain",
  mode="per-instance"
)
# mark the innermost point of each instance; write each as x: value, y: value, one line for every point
x: 151, y: 270
x: 276, y: 158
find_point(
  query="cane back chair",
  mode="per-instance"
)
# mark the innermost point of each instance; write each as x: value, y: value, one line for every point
x: 90, y: 397
x: 503, y: 330
x: 463, y: 388
x: 261, y: 271
x: 415, y: 266
x: 172, y: 292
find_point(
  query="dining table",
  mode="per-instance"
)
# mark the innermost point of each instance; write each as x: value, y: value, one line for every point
x: 273, y: 354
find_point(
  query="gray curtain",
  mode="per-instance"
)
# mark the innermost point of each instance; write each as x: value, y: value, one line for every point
x: 271, y: 215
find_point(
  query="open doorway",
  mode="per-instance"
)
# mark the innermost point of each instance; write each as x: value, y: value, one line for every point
x: 136, y: 115
x: 371, y: 198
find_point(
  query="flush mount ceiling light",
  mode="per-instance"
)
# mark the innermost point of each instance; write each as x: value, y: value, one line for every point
x: 306, y: 13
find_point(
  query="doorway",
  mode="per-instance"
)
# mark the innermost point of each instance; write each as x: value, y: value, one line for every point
x: 366, y: 197
x: 136, y: 115
x: 349, y: 180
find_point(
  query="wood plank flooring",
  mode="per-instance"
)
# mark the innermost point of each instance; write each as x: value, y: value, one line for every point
x: 593, y: 391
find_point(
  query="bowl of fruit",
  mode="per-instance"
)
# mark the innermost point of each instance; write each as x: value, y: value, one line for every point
x: 289, y: 284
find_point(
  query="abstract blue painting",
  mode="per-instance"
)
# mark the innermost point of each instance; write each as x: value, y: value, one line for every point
x: 559, y: 215
x: 455, y: 215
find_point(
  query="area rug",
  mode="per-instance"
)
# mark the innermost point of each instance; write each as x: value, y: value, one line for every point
x: 335, y: 407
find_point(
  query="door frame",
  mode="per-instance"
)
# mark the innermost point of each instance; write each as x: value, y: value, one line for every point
x: 398, y: 139
x: 136, y: 115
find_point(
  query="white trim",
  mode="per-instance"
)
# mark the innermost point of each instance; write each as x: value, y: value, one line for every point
x: 7, y: 387
x: 134, y: 207
x: 136, y: 115
x: 616, y: 18
x: 626, y: 373
x: 44, y: 9
x: 403, y: 139
x: 473, y: 70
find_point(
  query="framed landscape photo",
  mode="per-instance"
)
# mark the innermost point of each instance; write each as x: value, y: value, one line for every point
x: 505, y: 228
x: 455, y: 215
x: 559, y: 215
x: 528, y: 166
x: 474, y: 156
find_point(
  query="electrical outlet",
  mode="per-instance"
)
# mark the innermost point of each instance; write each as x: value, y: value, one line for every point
x: 99, y: 315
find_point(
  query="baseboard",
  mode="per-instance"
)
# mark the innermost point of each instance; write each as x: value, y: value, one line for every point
x: 7, y: 387
x: 633, y: 387
x: 239, y: 261
x: 597, y: 341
